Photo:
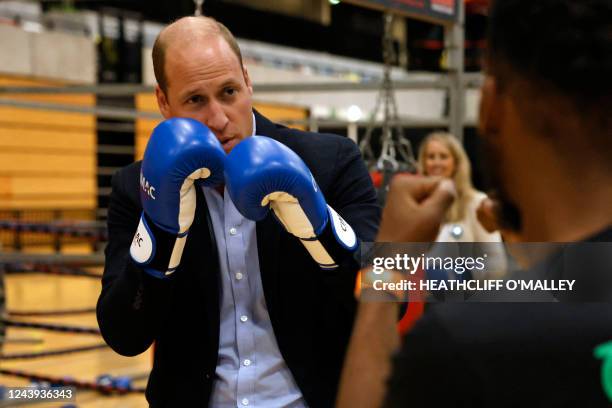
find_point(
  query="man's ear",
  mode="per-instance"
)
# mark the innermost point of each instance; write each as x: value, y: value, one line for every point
x: 247, y: 80
x: 162, y: 102
x: 491, y: 112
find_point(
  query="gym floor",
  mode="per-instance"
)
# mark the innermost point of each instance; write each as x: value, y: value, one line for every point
x: 43, y: 292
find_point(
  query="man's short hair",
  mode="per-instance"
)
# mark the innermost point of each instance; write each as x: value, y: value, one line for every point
x: 160, y: 46
x: 557, y: 47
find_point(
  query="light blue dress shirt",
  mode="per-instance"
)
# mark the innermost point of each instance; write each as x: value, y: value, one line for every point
x: 250, y: 369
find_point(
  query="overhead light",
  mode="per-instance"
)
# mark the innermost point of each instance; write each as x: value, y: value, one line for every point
x: 353, y: 113
x: 321, y: 111
x: 334, y: 2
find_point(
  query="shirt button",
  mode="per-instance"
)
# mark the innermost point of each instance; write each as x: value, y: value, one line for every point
x: 246, y: 362
x: 243, y: 319
x: 245, y: 401
x: 233, y: 231
x: 238, y: 275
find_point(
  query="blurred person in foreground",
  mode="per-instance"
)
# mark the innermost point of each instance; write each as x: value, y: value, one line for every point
x: 546, y: 121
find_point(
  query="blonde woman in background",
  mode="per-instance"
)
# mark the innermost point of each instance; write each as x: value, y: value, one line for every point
x: 441, y: 154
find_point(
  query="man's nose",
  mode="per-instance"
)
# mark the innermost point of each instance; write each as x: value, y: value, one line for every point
x: 215, y: 117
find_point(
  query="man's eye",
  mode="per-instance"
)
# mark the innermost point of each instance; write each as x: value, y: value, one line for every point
x: 195, y: 99
x: 230, y: 91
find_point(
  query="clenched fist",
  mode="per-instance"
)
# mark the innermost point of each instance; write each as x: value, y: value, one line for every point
x: 415, y: 208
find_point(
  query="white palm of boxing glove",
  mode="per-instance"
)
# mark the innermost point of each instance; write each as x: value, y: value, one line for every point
x: 179, y: 152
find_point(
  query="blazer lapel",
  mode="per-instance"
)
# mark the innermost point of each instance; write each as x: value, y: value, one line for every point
x: 264, y: 127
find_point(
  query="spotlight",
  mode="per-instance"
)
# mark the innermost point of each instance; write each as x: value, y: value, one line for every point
x: 354, y: 114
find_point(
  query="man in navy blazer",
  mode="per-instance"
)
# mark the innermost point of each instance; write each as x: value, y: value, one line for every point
x: 282, y: 341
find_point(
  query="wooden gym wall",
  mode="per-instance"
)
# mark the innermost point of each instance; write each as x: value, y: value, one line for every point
x: 47, y: 158
x: 47, y: 161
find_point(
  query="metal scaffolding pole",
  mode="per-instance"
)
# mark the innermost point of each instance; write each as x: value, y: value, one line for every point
x: 102, y: 112
x: 455, y: 47
x: 198, y: 7
x: 434, y: 81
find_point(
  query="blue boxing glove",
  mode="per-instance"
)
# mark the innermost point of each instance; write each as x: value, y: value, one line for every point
x: 263, y: 174
x: 179, y: 152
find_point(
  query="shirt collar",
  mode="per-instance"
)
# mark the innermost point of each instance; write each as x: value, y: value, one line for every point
x: 254, y: 125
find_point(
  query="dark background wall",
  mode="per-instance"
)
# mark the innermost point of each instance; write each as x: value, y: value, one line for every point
x: 352, y: 31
